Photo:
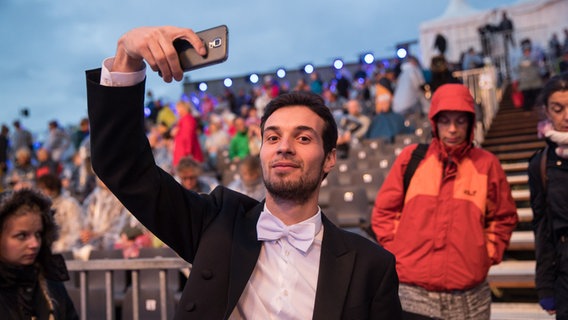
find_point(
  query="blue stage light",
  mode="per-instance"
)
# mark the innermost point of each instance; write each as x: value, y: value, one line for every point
x: 401, y: 53
x: 253, y: 78
x: 338, y: 64
x: 281, y: 73
x: 308, y: 68
x: 368, y: 58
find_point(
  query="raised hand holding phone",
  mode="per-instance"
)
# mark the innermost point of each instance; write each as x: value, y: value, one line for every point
x: 215, y: 41
x: 155, y: 46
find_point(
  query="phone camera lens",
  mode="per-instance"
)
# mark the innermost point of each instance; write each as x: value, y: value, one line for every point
x: 215, y: 43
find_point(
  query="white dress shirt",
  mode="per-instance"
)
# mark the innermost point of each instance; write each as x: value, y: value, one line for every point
x: 120, y: 79
x: 284, y: 281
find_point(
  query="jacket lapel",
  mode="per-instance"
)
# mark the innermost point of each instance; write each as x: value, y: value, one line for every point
x: 336, y: 265
x: 244, y: 255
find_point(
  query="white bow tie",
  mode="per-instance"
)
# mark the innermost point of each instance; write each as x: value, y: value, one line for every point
x: 300, y: 236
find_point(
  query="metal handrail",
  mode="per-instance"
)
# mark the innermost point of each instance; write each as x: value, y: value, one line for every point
x: 482, y: 83
x: 132, y: 265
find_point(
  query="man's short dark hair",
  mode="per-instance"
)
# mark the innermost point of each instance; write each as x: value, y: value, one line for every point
x: 313, y: 102
x: 51, y: 182
x: 188, y: 162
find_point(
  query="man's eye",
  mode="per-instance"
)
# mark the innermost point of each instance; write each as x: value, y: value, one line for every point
x: 304, y: 138
x: 461, y: 121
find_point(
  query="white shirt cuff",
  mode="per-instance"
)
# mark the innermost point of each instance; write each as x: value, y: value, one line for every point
x: 120, y: 79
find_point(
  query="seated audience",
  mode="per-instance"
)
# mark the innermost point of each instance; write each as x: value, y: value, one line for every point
x: 45, y: 164
x: 22, y: 174
x: 133, y: 237
x: 67, y: 213
x: 249, y: 180
x: 239, y: 145
x: 190, y: 174
x: 105, y: 216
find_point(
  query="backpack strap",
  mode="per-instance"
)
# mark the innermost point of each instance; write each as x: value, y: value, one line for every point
x: 417, y: 156
x: 548, y: 223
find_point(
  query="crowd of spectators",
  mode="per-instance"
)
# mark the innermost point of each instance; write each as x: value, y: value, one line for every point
x: 198, y: 138
x: 196, y: 141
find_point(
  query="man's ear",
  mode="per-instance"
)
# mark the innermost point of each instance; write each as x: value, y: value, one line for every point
x: 330, y: 160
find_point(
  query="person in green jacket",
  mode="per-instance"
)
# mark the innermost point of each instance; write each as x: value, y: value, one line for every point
x: 239, y: 145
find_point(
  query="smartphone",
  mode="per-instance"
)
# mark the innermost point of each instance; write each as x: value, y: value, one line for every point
x: 216, y: 41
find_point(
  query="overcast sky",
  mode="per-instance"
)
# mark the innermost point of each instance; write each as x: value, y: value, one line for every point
x: 47, y: 45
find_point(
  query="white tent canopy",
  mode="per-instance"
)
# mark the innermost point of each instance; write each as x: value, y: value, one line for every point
x: 459, y: 24
x: 456, y: 9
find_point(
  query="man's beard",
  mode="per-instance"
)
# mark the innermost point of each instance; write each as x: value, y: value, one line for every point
x: 298, y: 191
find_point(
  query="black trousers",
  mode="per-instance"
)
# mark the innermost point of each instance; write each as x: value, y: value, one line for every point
x: 561, y: 284
x: 530, y: 96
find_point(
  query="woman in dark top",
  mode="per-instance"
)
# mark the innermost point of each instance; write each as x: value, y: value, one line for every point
x: 548, y: 174
x: 30, y: 276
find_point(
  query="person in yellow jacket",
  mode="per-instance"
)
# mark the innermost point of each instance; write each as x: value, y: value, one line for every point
x: 384, y: 92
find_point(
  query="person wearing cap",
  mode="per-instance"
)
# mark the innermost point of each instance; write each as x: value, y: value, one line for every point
x: 453, y: 222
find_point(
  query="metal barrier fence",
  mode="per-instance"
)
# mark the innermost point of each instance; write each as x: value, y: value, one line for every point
x: 511, y: 274
x: 134, y: 266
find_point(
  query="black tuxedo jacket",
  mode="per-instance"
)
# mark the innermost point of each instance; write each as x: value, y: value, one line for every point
x: 216, y: 232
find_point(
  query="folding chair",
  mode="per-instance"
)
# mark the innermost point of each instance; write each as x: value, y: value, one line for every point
x: 371, y: 179
x: 350, y: 204
x: 332, y: 180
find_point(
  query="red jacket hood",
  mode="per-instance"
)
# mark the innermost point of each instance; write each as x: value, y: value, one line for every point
x: 451, y: 97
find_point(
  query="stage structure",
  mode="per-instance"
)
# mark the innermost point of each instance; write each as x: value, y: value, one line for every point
x: 463, y: 26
